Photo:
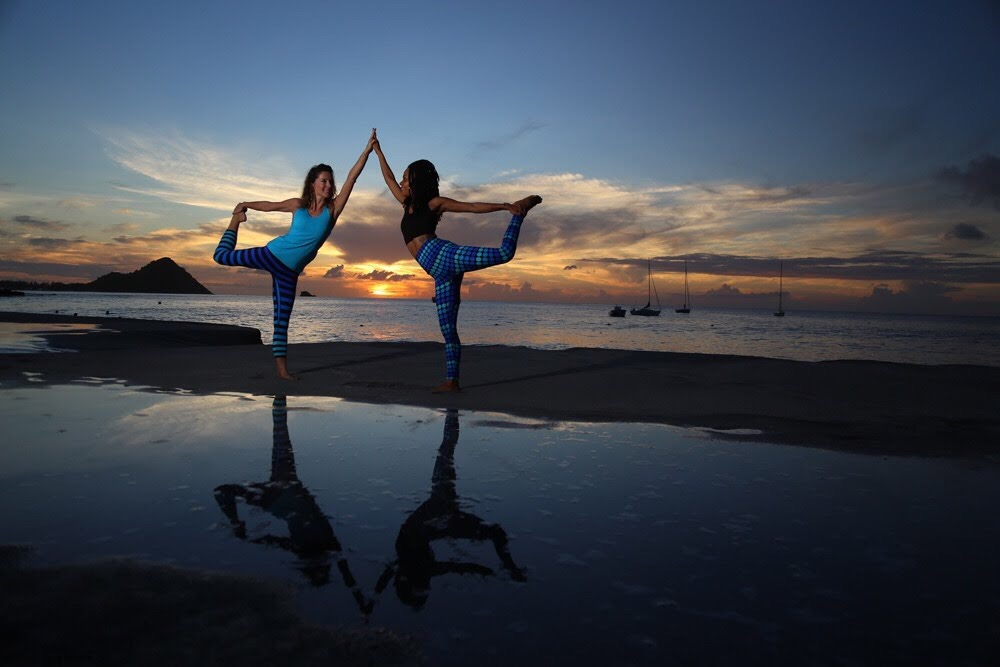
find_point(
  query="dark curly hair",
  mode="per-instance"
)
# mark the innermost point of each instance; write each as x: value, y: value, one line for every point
x: 424, y: 181
x: 307, y: 190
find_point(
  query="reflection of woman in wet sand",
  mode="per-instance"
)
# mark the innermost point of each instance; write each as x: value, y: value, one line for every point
x: 443, y: 260
x: 310, y: 536
x: 440, y: 517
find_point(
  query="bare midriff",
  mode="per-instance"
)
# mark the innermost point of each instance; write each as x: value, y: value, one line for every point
x: 415, y: 244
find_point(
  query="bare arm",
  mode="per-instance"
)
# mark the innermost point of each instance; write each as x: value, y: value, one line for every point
x: 390, y: 179
x: 287, y: 206
x: 446, y: 205
x: 352, y: 177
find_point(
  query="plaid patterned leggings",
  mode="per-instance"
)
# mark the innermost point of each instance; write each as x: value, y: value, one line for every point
x: 283, y: 282
x: 447, y: 263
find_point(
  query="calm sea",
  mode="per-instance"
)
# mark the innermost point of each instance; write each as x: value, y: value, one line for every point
x: 802, y: 335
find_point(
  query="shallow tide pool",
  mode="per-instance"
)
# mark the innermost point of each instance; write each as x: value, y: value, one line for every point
x: 507, y: 540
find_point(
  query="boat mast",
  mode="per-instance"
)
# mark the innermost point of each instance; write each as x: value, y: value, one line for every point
x: 649, y: 279
x: 650, y: 267
x: 781, y: 288
x: 781, y: 275
x: 687, y: 294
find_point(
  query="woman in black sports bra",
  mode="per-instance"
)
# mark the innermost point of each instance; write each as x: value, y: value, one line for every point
x: 443, y: 260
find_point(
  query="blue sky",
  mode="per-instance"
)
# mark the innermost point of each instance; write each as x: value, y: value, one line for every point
x: 652, y: 129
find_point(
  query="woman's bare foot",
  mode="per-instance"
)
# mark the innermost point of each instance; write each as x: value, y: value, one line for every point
x: 282, y: 365
x: 522, y: 206
x: 446, y: 387
x: 234, y: 223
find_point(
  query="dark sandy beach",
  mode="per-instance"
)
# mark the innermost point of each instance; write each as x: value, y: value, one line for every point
x: 863, y: 406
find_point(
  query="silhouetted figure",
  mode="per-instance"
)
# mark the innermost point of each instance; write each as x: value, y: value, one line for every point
x: 439, y: 517
x: 310, y: 536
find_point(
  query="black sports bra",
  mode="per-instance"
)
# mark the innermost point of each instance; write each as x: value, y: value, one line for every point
x: 418, y: 223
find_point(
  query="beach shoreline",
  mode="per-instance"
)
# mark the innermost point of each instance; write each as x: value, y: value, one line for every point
x: 867, y: 407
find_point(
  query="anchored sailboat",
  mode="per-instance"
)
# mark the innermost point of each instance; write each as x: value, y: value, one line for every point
x: 686, y: 308
x: 780, y: 312
x: 650, y: 285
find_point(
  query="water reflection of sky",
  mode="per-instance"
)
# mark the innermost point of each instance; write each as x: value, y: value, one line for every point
x: 17, y: 337
x: 509, y: 539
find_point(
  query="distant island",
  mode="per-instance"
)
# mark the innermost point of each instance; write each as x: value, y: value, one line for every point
x: 162, y: 276
x: 306, y: 293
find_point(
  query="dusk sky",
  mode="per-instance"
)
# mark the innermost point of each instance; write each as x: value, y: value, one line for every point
x: 858, y: 142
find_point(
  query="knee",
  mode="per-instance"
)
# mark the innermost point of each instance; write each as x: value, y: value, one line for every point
x: 507, y: 253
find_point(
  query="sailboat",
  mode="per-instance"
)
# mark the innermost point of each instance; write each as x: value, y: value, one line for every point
x: 646, y: 310
x: 780, y: 312
x: 686, y: 308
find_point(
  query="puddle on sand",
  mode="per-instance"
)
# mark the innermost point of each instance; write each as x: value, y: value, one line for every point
x: 22, y: 337
x: 500, y: 539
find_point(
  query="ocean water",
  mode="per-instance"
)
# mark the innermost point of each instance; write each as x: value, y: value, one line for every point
x: 800, y: 335
x: 499, y: 540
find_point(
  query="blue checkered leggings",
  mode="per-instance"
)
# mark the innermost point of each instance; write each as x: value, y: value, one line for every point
x: 447, y: 263
x: 283, y: 282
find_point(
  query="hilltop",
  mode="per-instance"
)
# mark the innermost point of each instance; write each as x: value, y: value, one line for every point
x: 163, y: 276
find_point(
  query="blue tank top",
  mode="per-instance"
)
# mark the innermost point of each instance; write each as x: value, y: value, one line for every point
x: 299, y: 246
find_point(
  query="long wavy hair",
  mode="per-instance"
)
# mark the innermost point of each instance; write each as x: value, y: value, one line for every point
x: 424, y: 182
x: 307, y: 188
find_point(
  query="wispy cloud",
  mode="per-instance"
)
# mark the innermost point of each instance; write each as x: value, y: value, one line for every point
x: 869, y: 266
x: 499, y: 142
x: 121, y: 228
x: 134, y: 213
x: 83, y: 203
x: 186, y: 171
x: 40, y: 223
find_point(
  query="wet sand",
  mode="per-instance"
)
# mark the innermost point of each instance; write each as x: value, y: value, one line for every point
x: 863, y: 406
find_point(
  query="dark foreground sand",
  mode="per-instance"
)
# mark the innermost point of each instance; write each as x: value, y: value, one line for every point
x: 864, y: 406
x: 128, y: 612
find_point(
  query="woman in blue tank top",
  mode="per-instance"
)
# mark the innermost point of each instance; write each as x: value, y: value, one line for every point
x: 313, y: 216
x: 443, y: 260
